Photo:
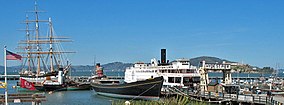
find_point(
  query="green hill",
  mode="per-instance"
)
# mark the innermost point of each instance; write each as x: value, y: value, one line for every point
x: 196, y: 61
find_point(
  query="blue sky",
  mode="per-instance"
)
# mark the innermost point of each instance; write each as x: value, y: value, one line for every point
x: 135, y: 30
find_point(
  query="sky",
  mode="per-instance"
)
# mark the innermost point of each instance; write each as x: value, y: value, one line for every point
x: 248, y: 31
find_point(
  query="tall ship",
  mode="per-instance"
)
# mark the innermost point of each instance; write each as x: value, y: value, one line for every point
x: 178, y: 73
x: 45, y: 62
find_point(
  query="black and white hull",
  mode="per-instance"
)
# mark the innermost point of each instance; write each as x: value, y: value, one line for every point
x: 149, y: 89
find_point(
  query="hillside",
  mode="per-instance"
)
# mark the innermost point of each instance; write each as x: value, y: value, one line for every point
x: 117, y: 66
x: 197, y: 60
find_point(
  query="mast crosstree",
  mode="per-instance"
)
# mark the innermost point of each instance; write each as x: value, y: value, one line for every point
x: 42, y: 52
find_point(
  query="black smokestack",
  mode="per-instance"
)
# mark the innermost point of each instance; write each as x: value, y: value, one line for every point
x: 163, y: 56
x: 98, y: 65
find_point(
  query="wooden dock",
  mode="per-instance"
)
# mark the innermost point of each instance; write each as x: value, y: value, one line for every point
x: 211, y: 97
x: 10, y: 77
x: 35, y: 99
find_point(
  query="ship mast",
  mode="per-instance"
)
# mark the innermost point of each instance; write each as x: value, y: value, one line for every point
x: 28, y: 44
x: 50, y: 45
x: 36, y: 46
x: 37, y: 38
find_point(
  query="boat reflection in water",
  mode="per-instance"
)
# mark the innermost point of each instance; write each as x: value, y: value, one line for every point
x: 149, y: 89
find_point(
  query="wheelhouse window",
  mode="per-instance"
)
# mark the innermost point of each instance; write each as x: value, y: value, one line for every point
x: 190, y: 71
x: 196, y: 79
x: 174, y: 79
x: 187, y: 79
x: 177, y: 79
x: 171, y: 80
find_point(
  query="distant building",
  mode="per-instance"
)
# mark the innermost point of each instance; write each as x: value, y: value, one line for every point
x: 234, y: 63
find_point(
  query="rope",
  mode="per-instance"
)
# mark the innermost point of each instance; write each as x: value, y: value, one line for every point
x: 180, y: 92
x: 143, y: 92
x: 175, y: 90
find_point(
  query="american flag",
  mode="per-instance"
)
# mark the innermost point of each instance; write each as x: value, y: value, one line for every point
x: 12, y: 56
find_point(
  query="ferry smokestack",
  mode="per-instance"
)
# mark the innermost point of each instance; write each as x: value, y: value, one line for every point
x: 98, y: 65
x: 99, y: 70
x: 163, y: 56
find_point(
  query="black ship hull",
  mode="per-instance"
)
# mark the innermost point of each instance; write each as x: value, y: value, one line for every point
x: 149, y: 89
x: 85, y: 86
x: 51, y: 88
x: 67, y: 87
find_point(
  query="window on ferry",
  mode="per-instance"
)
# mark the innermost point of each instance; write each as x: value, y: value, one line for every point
x: 171, y: 80
x: 189, y: 71
x: 185, y: 63
x: 196, y: 79
x: 187, y: 79
x: 176, y: 71
x: 183, y: 70
x: 177, y: 79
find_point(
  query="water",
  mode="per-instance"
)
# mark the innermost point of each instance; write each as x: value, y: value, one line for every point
x: 85, y: 97
x: 76, y: 98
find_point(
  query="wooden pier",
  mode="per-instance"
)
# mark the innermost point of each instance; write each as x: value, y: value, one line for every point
x: 217, y: 98
x: 35, y: 99
x: 10, y: 77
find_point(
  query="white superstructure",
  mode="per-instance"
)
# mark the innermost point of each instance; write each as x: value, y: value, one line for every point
x: 176, y: 73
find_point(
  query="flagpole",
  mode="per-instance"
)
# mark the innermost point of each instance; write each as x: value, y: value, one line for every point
x: 5, y: 64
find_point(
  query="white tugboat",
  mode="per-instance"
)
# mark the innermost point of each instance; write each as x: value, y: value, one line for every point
x: 176, y: 73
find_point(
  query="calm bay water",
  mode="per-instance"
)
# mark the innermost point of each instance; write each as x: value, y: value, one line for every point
x: 86, y: 97
x: 76, y: 98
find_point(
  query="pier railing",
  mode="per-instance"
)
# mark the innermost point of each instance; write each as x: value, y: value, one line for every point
x: 20, y: 98
x: 221, y: 97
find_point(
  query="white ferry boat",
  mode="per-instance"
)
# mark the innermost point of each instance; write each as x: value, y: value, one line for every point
x: 176, y: 73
